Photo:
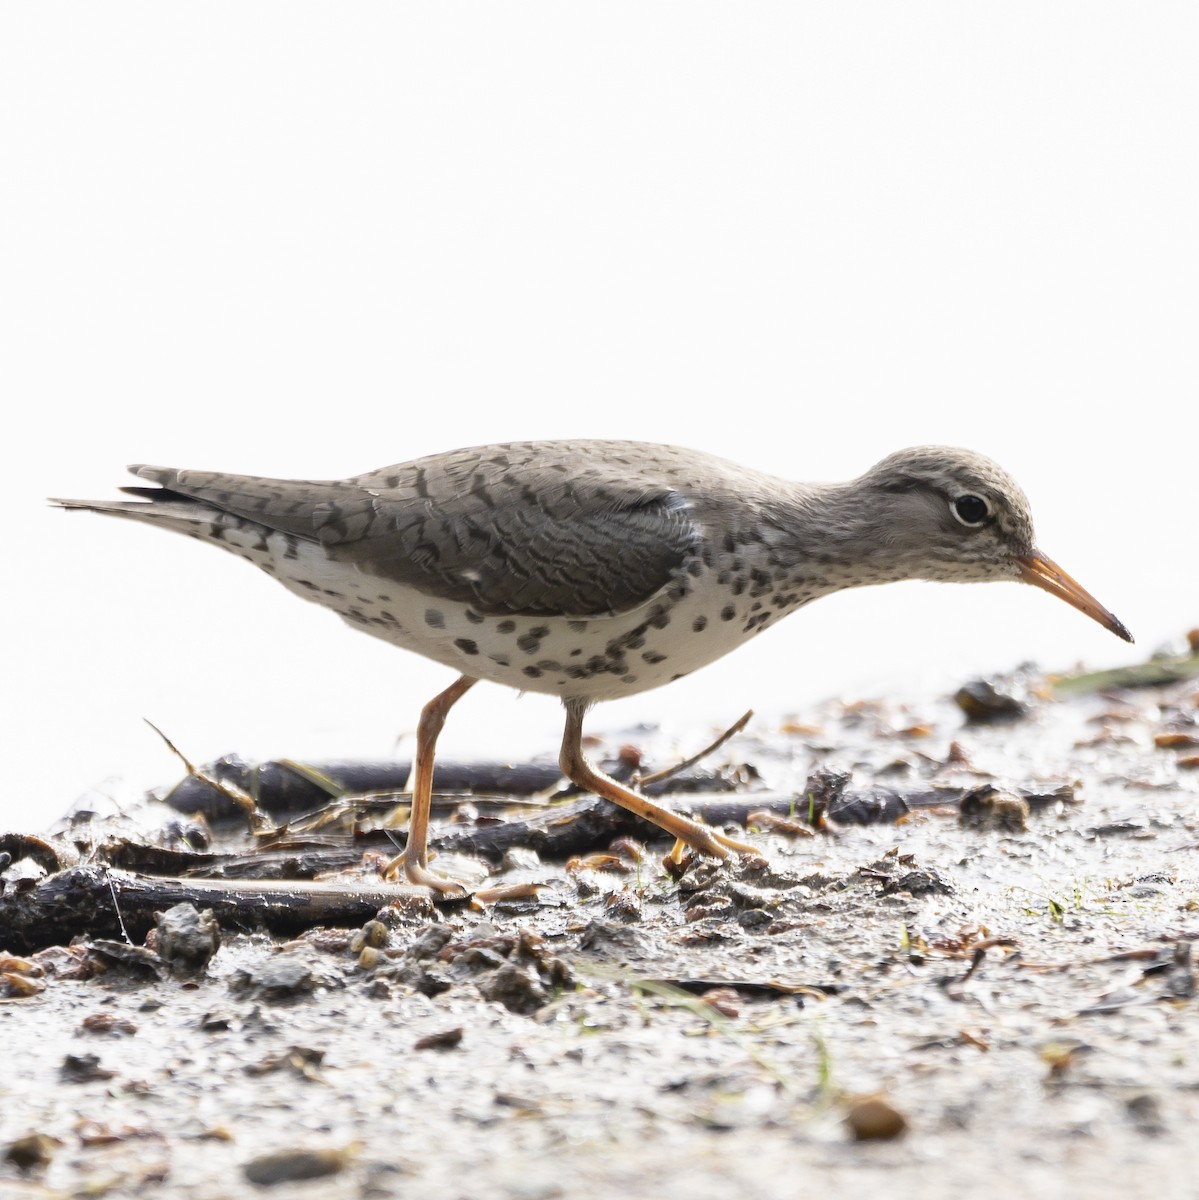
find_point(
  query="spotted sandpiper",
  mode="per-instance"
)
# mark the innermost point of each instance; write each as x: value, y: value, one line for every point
x: 597, y: 569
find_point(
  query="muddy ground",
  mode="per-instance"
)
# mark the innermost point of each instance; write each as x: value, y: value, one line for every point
x: 1015, y: 987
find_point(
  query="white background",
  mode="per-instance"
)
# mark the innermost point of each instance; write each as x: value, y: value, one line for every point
x: 311, y: 240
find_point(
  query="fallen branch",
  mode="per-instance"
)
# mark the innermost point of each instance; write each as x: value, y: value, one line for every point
x: 99, y: 902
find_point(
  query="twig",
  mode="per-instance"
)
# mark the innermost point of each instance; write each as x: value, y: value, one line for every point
x: 116, y: 906
x: 256, y: 819
x: 667, y: 772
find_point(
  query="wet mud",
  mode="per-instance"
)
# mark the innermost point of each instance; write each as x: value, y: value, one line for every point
x: 993, y: 993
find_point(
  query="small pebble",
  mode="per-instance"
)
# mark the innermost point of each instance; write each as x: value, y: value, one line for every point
x: 874, y: 1118
x: 444, y: 1039
x: 373, y: 935
x: 623, y: 905
x: 185, y: 937
x: 278, y: 978
x: 32, y: 1151
x: 108, y: 1024
x: 992, y: 809
x: 83, y: 1068
x: 290, y: 1166
x: 983, y: 703
x: 755, y: 918
x: 16, y: 984
x: 1175, y: 741
x: 1145, y: 1109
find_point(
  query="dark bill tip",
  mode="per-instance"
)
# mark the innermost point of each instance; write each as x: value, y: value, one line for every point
x: 1041, y: 571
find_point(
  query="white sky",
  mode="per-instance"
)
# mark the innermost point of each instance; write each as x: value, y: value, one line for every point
x: 311, y: 240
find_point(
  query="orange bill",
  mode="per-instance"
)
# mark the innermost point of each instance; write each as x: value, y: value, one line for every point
x: 1036, y: 568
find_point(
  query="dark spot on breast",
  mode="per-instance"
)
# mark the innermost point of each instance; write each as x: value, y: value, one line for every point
x: 628, y: 679
x: 533, y: 672
x: 699, y: 624
x: 434, y: 619
x: 506, y: 627
x: 528, y: 643
x: 652, y: 656
x: 539, y: 631
x: 728, y: 613
x: 466, y: 645
x: 473, y: 617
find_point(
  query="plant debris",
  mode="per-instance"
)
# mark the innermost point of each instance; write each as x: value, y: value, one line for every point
x: 980, y: 957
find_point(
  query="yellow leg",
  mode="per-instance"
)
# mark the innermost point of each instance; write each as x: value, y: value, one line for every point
x: 414, y: 861
x: 580, y: 772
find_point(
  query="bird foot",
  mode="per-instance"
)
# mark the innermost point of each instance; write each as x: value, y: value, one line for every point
x: 743, y: 849
x: 451, y: 889
x: 709, y: 841
x: 414, y: 872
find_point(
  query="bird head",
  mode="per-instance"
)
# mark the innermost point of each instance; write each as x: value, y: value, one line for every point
x: 946, y: 514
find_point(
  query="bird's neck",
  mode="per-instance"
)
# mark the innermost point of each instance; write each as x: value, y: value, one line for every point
x: 832, y: 535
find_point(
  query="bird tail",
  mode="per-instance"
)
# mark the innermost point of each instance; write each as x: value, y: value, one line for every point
x: 160, y: 506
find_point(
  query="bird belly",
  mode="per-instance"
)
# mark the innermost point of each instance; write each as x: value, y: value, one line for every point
x: 596, y: 658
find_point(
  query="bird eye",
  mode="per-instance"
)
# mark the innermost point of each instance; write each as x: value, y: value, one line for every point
x: 971, y: 510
